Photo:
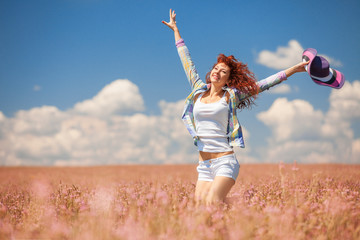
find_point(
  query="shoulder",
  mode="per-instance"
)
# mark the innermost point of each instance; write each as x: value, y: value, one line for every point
x: 197, y: 95
x: 231, y: 92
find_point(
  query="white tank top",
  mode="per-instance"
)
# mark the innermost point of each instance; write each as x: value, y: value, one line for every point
x: 211, y: 122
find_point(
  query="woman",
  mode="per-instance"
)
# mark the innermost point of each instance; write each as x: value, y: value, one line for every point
x: 210, y: 115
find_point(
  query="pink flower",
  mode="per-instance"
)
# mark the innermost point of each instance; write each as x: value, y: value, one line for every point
x: 162, y: 197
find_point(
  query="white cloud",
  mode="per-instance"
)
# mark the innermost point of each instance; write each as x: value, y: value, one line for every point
x: 2, y: 117
x: 288, y: 56
x: 284, y: 57
x: 296, y: 119
x: 120, y: 96
x: 38, y: 121
x: 299, y: 131
x: 355, y: 154
x: 345, y: 103
x: 100, y: 130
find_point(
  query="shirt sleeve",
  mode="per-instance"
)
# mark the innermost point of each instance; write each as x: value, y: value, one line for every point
x: 188, y: 65
x: 265, y: 84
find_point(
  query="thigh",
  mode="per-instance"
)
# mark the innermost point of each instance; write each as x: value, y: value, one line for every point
x: 202, y: 190
x: 220, y: 187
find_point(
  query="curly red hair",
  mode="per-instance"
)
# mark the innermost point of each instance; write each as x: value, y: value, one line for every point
x: 240, y: 78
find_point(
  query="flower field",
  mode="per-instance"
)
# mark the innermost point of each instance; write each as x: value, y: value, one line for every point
x: 268, y: 201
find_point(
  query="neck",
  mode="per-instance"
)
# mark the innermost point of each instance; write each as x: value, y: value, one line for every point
x: 216, y: 90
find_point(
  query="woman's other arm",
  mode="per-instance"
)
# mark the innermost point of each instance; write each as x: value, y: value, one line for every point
x: 279, y: 77
x: 275, y: 79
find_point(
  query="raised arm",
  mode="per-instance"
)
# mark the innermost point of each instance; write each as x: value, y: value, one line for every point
x: 183, y: 51
x: 172, y: 25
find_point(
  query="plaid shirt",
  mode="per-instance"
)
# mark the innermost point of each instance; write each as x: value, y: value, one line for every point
x: 234, y: 131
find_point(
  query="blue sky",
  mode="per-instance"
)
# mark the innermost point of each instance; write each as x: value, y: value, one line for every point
x: 57, y: 56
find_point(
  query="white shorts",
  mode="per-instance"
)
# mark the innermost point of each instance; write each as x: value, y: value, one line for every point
x: 226, y: 166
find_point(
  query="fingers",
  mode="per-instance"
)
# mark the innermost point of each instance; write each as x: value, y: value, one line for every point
x: 304, y: 63
x: 302, y: 66
x: 172, y: 15
x: 172, y: 22
x: 166, y: 24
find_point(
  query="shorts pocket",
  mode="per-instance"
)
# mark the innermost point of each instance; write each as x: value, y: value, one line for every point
x: 234, y: 163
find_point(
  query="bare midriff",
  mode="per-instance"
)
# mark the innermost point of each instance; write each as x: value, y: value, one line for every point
x: 203, y: 156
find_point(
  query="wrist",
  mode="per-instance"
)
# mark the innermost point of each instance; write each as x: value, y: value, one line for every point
x: 290, y: 71
x: 177, y: 34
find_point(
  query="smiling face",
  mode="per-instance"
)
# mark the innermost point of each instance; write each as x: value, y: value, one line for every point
x: 220, y: 74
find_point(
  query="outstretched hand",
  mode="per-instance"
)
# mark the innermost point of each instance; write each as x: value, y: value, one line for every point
x: 300, y: 67
x: 172, y: 22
